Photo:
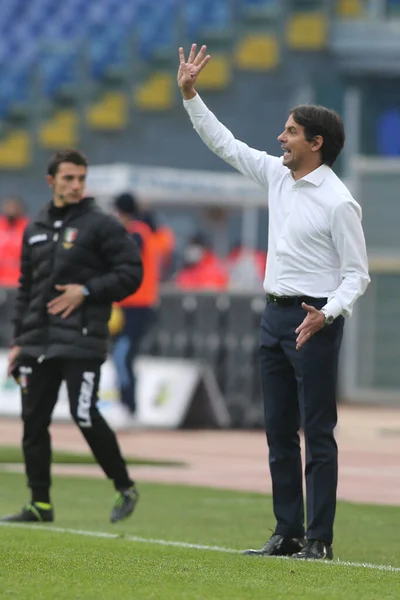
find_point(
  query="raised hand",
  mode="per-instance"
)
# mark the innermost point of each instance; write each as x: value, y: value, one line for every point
x: 189, y: 71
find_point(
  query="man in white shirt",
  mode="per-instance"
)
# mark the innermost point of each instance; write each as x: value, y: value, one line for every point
x: 317, y: 268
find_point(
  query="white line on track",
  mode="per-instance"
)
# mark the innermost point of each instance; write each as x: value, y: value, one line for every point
x: 142, y: 540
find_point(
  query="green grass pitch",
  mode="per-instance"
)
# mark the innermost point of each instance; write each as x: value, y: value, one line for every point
x: 136, y: 562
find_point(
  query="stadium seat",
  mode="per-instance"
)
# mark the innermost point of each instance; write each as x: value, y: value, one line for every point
x: 14, y: 89
x: 257, y: 52
x: 15, y: 150
x: 307, y: 31
x: 156, y: 33
x: 350, y: 9
x: 218, y: 74
x: 256, y: 11
x: 157, y: 93
x: 59, y: 71
x: 63, y: 40
x: 393, y: 8
x: 388, y: 133
x: 108, y: 113
x: 60, y: 130
x: 207, y: 18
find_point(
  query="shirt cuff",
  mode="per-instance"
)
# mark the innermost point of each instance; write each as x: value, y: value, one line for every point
x: 195, y: 106
x: 333, y: 307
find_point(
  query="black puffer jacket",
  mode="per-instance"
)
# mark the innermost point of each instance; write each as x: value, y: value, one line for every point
x: 91, y: 248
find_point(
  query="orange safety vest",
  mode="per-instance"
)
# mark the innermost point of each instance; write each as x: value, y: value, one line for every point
x: 10, y: 250
x: 147, y: 294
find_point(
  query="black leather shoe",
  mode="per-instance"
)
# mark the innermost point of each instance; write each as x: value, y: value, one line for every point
x: 278, y: 545
x: 315, y: 550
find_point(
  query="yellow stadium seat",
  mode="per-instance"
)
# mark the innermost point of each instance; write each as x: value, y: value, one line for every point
x: 15, y: 150
x: 217, y: 75
x: 60, y: 130
x: 157, y: 93
x: 350, y: 9
x: 307, y: 31
x: 109, y: 113
x: 257, y: 52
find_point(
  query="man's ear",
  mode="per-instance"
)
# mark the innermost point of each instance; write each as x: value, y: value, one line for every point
x: 317, y: 143
x: 50, y: 181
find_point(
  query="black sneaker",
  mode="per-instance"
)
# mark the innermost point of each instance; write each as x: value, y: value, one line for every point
x: 278, y: 545
x: 124, y: 505
x: 31, y: 513
x: 315, y: 550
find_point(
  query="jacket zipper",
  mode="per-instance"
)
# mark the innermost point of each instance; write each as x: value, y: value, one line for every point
x: 84, y: 324
x: 56, y: 236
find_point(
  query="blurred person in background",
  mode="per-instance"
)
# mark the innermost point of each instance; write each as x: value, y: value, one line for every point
x: 246, y: 267
x: 164, y: 239
x: 155, y: 245
x: 202, y: 269
x: 76, y: 261
x: 12, y: 226
x: 317, y: 269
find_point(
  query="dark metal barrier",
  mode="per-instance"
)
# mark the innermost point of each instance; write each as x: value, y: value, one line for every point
x: 7, y: 298
x: 221, y: 329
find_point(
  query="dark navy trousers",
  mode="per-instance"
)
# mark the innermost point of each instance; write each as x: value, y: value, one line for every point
x: 299, y: 390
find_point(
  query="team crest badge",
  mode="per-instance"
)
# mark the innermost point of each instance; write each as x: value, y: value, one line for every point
x: 69, y: 237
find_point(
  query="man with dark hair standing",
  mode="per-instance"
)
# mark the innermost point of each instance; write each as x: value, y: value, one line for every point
x: 138, y: 309
x: 76, y: 261
x: 317, y: 268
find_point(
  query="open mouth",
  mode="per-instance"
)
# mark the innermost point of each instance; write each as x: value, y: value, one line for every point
x: 287, y: 153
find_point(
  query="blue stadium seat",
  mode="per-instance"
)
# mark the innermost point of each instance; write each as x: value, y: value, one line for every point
x: 388, y: 133
x: 126, y: 14
x: 15, y: 87
x: 10, y: 11
x: 206, y: 16
x: 393, y: 8
x: 108, y: 48
x: 157, y: 27
x: 258, y: 3
x: 38, y: 29
x: 58, y: 69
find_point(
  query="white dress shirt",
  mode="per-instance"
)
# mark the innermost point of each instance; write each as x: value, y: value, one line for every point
x: 316, y: 244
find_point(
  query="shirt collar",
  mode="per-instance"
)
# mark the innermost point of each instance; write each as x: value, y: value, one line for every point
x: 317, y: 176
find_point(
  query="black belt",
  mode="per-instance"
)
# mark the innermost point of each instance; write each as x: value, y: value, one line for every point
x: 294, y: 300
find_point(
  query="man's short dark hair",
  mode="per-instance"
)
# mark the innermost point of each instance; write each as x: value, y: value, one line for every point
x: 127, y: 204
x: 68, y: 155
x: 318, y: 120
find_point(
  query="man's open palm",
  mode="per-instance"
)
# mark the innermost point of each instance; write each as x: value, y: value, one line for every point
x: 189, y: 71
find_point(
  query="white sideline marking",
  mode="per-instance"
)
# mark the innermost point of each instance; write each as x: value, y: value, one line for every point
x: 142, y: 540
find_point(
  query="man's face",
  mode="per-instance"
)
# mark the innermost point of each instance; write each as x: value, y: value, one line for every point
x: 297, y: 150
x: 68, y: 183
x: 12, y: 208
